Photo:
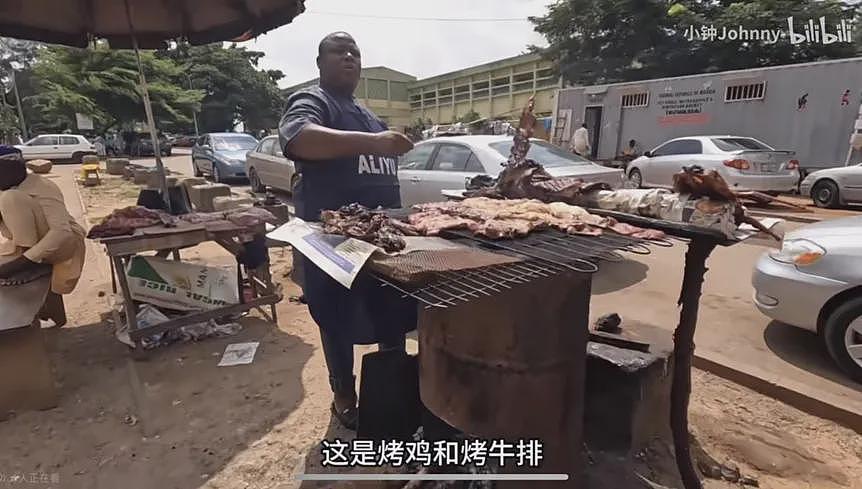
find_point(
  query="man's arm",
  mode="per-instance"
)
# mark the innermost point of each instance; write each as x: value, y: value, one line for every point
x: 315, y: 142
x: 303, y: 134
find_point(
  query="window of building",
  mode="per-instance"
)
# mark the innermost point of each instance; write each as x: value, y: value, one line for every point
x: 749, y: 91
x: 522, y: 77
x: 398, y: 91
x: 500, y: 86
x: 635, y: 100
x: 360, y: 89
x: 377, y: 89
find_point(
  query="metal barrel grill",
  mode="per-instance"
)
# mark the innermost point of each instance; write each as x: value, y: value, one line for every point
x: 503, y: 348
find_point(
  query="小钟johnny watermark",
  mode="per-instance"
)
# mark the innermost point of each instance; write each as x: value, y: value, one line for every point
x: 811, y: 32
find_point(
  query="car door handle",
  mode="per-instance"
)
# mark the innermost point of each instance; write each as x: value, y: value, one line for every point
x: 415, y: 179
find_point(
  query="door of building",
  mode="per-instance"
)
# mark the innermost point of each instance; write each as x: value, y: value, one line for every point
x: 593, y: 121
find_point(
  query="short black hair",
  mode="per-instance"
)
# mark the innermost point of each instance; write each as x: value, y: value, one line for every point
x: 632, y: 142
x: 584, y: 125
x: 331, y: 37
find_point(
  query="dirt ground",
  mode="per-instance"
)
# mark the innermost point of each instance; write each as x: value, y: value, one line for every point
x: 190, y: 424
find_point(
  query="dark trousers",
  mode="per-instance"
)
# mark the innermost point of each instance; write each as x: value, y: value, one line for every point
x: 338, y: 352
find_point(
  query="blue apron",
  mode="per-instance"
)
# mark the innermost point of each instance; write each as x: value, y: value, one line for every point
x: 368, y: 313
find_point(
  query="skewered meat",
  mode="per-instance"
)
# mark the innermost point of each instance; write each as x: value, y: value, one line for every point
x: 523, y: 178
x: 357, y: 221
x: 694, y: 181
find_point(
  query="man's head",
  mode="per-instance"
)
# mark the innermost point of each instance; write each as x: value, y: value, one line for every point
x: 13, y: 171
x: 584, y: 126
x: 339, y: 62
x: 632, y: 143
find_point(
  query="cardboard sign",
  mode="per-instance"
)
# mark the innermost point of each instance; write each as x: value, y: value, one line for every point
x: 180, y: 286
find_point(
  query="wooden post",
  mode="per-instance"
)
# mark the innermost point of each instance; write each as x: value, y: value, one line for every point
x: 699, y: 250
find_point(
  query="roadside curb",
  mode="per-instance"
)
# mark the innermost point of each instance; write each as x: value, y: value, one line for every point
x: 729, y: 370
x: 786, y: 217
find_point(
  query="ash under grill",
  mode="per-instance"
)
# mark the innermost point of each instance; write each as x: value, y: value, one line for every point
x: 544, y: 254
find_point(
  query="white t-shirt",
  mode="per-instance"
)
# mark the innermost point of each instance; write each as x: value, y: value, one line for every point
x: 581, y: 140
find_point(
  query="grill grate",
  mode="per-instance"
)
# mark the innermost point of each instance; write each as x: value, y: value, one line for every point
x: 545, y: 253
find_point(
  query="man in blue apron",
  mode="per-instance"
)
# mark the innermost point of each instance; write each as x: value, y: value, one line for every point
x: 344, y: 154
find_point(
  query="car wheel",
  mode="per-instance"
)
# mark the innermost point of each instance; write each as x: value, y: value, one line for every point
x: 78, y: 158
x: 217, y: 178
x: 825, y: 194
x: 197, y: 171
x: 294, y: 180
x: 843, y: 337
x: 110, y: 153
x: 636, y: 178
x: 254, y: 180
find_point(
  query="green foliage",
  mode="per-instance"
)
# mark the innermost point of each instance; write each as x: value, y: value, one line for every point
x: 105, y: 85
x: 235, y: 89
x: 469, y: 117
x: 603, y: 41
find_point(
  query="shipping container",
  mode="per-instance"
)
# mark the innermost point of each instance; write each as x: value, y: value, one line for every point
x: 810, y: 108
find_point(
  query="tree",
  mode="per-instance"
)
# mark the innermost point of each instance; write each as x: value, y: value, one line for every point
x: 104, y: 84
x: 15, y: 56
x: 469, y: 117
x: 605, y: 41
x: 235, y: 89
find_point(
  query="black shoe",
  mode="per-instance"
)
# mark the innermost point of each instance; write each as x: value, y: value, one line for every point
x: 347, y: 418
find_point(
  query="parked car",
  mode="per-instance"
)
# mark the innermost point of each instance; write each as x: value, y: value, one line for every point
x: 815, y: 282
x: 447, y: 163
x: 185, y: 141
x: 57, y: 147
x: 834, y: 187
x: 267, y: 167
x: 745, y: 163
x: 222, y: 155
x: 145, y: 146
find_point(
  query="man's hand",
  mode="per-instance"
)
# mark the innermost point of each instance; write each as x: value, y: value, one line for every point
x: 391, y: 143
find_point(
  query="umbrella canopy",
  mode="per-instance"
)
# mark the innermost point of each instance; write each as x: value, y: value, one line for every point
x: 76, y: 22
x: 144, y: 24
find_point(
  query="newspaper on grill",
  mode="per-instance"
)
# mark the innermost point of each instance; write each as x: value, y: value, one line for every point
x: 342, y: 258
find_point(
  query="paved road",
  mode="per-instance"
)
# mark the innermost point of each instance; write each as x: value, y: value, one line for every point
x: 731, y: 330
x: 181, y: 162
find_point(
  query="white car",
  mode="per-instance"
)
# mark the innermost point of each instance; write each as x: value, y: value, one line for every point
x: 447, y: 163
x: 57, y: 147
x: 745, y: 163
x: 834, y: 187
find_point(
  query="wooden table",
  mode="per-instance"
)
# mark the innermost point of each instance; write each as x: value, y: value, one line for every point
x: 169, y: 241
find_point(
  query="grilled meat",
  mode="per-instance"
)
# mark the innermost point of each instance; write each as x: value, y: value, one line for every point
x: 692, y: 180
x: 512, y: 218
x: 357, y: 221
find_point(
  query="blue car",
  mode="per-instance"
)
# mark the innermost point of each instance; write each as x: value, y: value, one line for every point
x: 221, y: 155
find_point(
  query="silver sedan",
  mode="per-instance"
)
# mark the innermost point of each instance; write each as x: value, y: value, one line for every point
x: 815, y: 282
x: 447, y: 163
x: 834, y: 187
x: 266, y: 166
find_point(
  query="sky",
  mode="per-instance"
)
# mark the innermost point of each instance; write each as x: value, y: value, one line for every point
x: 419, y: 47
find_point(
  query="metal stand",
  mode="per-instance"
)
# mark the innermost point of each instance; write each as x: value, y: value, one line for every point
x: 699, y: 250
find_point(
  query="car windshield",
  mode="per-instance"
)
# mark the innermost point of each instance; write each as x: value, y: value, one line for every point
x: 234, y: 143
x: 542, y: 152
x: 740, y: 144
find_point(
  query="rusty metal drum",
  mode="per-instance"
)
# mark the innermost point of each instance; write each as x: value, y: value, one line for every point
x: 512, y: 365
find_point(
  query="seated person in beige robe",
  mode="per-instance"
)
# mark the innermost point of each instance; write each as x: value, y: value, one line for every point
x: 37, y: 228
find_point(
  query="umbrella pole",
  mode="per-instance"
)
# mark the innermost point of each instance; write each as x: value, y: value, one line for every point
x: 148, y: 108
